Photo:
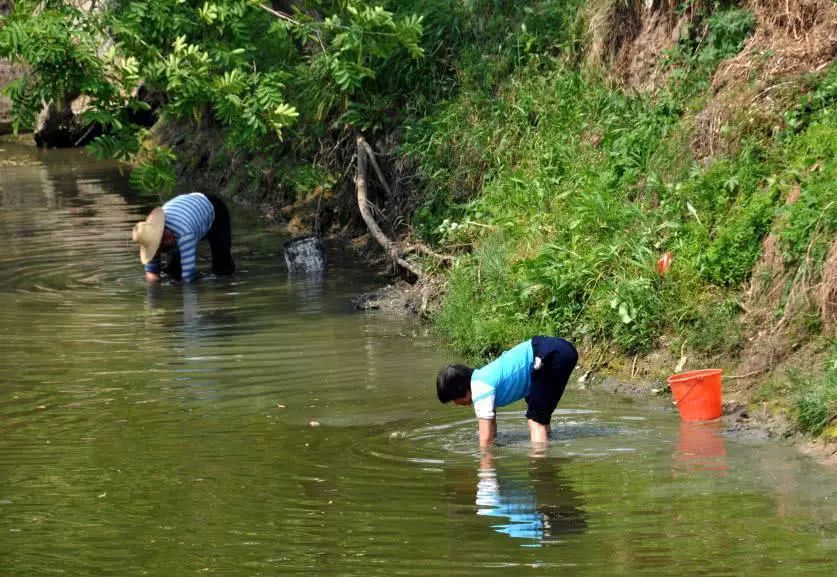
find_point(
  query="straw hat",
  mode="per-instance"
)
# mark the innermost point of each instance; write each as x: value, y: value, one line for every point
x: 149, y: 233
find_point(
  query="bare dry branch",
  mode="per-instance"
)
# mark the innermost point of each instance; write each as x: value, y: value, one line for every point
x: 377, y: 168
x: 279, y: 15
x: 363, y: 204
x: 428, y: 251
x: 746, y: 375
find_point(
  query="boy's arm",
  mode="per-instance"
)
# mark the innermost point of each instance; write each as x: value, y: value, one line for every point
x: 187, y: 244
x: 152, y: 270
x: 483, y: 400
x: 488, y: 430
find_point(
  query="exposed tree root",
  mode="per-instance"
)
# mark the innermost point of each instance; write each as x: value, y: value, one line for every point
x: 393, y: 250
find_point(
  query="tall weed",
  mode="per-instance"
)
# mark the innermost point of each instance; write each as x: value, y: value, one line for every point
x: 817, y: 403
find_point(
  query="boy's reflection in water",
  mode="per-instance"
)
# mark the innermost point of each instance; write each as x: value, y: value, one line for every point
x: 192, y: 320
x: 539, y: 507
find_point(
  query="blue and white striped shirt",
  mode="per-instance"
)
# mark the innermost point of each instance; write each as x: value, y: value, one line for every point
x: 189, y: 217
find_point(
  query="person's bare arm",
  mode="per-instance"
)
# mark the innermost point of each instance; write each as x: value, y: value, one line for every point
x: 152, y: 276
x: 488, y: 430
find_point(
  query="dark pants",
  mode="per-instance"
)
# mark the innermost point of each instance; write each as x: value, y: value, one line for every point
x: 219, y: 236
x: 559, y: 358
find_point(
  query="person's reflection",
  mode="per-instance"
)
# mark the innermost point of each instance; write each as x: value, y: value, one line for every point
x: 539, y: 507
x: 179, y: 311
x: 700, y: 447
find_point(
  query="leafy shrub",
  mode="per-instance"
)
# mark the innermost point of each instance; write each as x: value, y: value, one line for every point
x: 715, y: 33
x: 156, y: 172
x: 224, y: 61
x: 717, y: 330
x: 731, y: 255
x: 809, y: 224
x: 811, y: 105
x: 726, y: 32
x: 578, y: 175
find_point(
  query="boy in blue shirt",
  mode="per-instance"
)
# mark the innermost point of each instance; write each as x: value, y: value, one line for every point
x: 536, y: 370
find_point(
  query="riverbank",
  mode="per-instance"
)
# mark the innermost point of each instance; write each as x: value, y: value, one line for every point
x: 666, y: 225
x: 748, y: 413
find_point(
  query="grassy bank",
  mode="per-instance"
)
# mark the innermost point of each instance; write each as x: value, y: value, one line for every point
x: 566, y: 187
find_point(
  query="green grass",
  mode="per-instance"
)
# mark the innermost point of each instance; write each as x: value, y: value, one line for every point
x: 569, y: 190
x: 817, y: 404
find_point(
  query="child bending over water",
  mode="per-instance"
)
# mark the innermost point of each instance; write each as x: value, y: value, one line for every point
x: 537, y: 370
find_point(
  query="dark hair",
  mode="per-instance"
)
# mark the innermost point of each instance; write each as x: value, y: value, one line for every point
x: 453, y: 382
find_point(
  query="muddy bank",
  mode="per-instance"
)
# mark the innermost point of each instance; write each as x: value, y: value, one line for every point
x: 744, y: 415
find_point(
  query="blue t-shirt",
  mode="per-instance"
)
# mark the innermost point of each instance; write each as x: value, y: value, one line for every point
x: 503, y: 381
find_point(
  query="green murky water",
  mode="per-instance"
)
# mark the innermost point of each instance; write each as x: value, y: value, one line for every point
x: 167, y: 431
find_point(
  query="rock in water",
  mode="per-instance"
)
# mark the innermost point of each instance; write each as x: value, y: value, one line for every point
x: 304, y: 254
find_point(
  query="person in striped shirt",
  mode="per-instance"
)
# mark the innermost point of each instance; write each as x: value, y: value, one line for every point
x: 176, y: 228
x: 536, y: 370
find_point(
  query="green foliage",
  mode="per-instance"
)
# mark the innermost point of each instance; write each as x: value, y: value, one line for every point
x: 156, y: 172
x: 810, y: 223
x: 61, y: 47
x: 589, y: 185
x: 716, y: 329
x: 817, y: 405
x: 817, y: 102
x: 480, y: 298
x: 226, y: 62
x: 730, y: 256
x: 366, y: 34
x: 309, y: 178
x: 717, y: 33
x: 726, y: 32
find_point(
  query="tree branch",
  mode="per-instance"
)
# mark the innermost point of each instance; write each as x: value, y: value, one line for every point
x: 377, y: 168
x: 363, y: 204
x: 745, y: 376
x: 428, y: 251
x: 279, y: 15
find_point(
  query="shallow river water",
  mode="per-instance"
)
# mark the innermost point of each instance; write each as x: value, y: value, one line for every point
x: 259, y: 426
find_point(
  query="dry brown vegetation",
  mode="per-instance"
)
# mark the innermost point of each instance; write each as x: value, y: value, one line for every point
x: 792, y: 38
x: 629, y: 39
x: 828, y: 290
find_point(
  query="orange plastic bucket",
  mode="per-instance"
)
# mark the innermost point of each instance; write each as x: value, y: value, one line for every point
x: 697, y: 394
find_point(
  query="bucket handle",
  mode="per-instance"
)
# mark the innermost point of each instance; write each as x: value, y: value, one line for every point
x: 698, y: 380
